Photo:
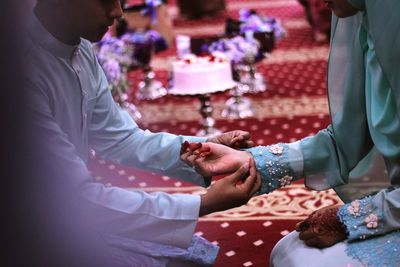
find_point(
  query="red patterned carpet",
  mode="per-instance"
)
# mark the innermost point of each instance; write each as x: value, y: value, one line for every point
x: 294, y: 106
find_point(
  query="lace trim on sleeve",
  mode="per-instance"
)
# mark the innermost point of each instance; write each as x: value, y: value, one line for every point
x: 202, y: 251
x: 273, y: 165
x: 381, y: 251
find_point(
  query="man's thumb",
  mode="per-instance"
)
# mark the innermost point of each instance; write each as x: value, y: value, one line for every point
x: 239, y: 173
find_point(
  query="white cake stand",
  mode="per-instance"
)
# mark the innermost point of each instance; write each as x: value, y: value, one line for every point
x: 206, y: 109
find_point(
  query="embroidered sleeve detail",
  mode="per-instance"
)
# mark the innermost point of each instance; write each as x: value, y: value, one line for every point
x: 273, y: 165
x: 202, y: 252
x: 362, y: 218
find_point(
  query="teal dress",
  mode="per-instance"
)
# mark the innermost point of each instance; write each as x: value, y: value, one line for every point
x: 358, y: 155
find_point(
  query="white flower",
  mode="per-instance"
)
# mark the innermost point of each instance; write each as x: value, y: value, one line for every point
x: 276, y: 149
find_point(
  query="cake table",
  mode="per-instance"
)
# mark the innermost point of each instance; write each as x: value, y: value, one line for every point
x: 202, y: 76
x: 206, y: 108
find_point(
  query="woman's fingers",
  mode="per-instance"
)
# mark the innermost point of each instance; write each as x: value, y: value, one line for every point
x: 307, y: 234
x: 303, y: 225
x: 249, y: 143
x: 242, y: 140
x: 314, y: 242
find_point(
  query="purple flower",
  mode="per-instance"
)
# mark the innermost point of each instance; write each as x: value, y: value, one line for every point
x: 256, y: 23
x: 112, y: 70
x: 150, y: 9
x: 236, y: 49
x: 114, y: 48
x: 244, y: 14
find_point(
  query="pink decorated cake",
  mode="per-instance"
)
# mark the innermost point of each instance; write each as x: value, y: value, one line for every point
x: 201, y: 74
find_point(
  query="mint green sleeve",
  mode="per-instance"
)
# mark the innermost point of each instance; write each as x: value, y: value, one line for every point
x: 315, y: 158
x: 321, y: 160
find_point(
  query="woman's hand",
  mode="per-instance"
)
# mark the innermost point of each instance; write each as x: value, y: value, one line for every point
x: 322, y: 228
x: 210, y: 159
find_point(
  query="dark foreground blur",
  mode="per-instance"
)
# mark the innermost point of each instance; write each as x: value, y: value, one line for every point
x: 41, y: 221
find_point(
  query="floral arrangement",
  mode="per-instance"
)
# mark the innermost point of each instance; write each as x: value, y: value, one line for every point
x: 251, y: 21
x: 151, y: 36
x: 238, y: 49
x: 115, y: 57
x: 150, y: 9
x: 118, y: 55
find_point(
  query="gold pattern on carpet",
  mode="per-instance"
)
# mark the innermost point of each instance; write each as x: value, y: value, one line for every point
x: 294, y: 202
x: 265, y: 108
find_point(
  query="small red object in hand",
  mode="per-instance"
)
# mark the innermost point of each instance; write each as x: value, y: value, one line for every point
x: 205, y: 151
x: 194, y: 146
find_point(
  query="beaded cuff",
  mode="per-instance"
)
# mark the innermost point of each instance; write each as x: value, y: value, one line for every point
x: 362, y: 218
x: 273, y: 165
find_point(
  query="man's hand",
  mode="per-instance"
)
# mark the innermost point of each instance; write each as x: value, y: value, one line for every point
x: 230, y: 191
x: 235, y: 139
x: 322, y: 228
x: 210, y: 159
